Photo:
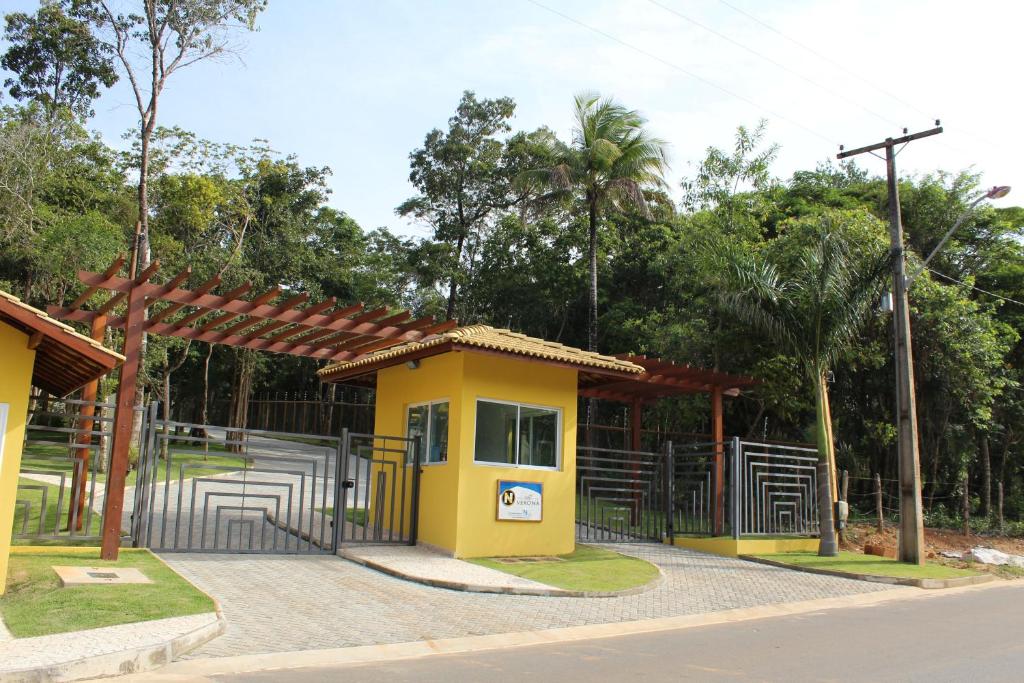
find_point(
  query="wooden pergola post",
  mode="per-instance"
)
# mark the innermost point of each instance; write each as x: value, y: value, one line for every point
x: 113, y: 501
x: 718, y: 437
x: 636, y: 425
x: 86, y: 412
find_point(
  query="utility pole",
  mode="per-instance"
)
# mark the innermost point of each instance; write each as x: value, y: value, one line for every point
x: 911, y: 537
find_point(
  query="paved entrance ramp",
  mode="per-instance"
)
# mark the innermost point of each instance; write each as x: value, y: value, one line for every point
x: 284, y: 603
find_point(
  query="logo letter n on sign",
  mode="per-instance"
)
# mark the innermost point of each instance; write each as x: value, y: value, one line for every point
x: 520, y: 501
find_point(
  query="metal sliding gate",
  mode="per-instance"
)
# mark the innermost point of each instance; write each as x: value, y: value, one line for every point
x: 204, y: 488
x: 636, y: 496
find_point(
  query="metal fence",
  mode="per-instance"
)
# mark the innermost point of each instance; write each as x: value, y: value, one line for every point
x: 620, y: 495
x: 380, y: 489
x: 758, y: 489
x: 207, y: 488
x: 776, y: 489
x: 61, y: 480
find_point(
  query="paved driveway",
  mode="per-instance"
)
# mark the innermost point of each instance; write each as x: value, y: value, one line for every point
x: 280, y: 603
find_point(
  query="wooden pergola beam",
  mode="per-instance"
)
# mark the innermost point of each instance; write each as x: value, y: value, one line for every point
x: 294, y: 301
x: 200, y: 311
x: 263, y: 298
x: 307, y: 313
x: 174, y: 308
x: 89, y: 291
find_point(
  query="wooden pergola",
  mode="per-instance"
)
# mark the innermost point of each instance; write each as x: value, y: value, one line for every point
x: 274, y: 321
x: 665, y: 378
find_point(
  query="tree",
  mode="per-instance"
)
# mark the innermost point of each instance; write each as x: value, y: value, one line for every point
x: 58, y: 62
x: 173, y: 34
x: 611, y: 161
x: 460, y: 177
x: 735, y: 187
x: 811, y: 299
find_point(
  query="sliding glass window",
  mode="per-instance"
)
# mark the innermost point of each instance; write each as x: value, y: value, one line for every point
x: 517, y: 435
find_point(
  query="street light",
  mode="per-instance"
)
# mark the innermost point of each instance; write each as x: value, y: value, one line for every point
x: 997, y: 192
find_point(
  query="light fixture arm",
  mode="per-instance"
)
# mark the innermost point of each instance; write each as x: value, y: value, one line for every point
x: 994, y: 193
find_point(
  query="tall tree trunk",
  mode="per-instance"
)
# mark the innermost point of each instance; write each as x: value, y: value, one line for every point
x: 827, y: 546
x: 148, y: 125
x: 244, y: 370
x: 986, y: 478
x: 592, y: 259
x: 204, y: 400
x: 453, y: 285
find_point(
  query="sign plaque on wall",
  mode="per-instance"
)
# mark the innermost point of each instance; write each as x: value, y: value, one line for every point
x: 520, y: 501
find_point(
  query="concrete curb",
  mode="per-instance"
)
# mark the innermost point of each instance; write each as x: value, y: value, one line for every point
x: 130, y: 661
x: 505, y: 590
x: 873, y: 578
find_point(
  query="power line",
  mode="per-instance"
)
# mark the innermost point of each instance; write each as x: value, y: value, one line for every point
x: 977, y: 289
x: 854, y: 74
x: 825, y: 58
x: 683, y: 70
x: 777, y: 64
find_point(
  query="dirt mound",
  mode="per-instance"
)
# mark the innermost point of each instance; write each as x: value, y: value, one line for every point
x: 936, y: 541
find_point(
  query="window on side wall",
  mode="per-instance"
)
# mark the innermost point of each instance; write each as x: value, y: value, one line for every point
x: 427, y: 425
x: 517, y: 435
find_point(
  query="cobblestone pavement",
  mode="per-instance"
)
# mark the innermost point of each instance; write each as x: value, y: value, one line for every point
x: 283, y: 603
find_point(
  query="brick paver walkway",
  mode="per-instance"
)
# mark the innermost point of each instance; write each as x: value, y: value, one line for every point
x: 284, y: 603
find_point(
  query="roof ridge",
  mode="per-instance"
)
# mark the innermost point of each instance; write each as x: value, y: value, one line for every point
x: 50, y: 320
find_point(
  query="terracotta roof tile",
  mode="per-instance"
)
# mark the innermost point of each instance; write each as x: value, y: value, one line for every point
x: 493, y: 339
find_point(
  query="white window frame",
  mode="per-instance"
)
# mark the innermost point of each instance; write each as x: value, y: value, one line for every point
x: 405, y: 429
x: 519, y: 405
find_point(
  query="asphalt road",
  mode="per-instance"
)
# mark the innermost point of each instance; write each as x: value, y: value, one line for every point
x: 967, y: 636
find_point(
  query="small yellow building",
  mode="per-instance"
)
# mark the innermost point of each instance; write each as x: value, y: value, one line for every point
x: 35, y: 350
x: 493, y: 414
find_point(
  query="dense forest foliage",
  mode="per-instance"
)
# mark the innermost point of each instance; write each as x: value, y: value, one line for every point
x: 513, y: 253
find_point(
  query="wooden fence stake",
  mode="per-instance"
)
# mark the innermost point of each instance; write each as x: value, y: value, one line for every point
x: 999, y: 501
x: 967, y: 507
x: 878, y: 501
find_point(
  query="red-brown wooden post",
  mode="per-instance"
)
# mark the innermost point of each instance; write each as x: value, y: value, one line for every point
x: 636, y: 424
x: 718, y: 437
x: 114, y: 500
x: 80, y: 477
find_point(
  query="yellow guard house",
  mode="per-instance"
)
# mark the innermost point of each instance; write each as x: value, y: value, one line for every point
x: 493, y: 414
x: 35, y: 350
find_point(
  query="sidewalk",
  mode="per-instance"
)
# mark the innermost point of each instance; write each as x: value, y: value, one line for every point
x: 107, y: 651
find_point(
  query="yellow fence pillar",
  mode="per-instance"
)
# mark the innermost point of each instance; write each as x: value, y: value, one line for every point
x: 16, y: 362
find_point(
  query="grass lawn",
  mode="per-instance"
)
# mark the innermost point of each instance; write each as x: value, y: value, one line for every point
x: 36, y: 605
x: 586, y: 569
x: 55, y: 460
x: 355, y: 516
x: 35, y: 497
x: 858, y: 563
x: 324, y: 442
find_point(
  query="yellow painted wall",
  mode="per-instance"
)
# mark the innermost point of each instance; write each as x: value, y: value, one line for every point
x: 437, y: 378
x: 731, y: 547
x: 458, y: 499
x: 504, y: 378
x: 16, y: 362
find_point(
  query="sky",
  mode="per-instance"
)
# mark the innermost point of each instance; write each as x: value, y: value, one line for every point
x: 357, y: 85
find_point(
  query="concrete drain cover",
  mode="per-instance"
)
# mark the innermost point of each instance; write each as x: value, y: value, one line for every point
x: 82, y: 576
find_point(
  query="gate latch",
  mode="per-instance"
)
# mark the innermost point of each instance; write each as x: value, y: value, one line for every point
x: 348, y: 484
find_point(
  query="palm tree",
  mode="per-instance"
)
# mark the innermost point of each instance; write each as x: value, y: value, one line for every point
x: 609, y: 163
x: 813, y: 313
